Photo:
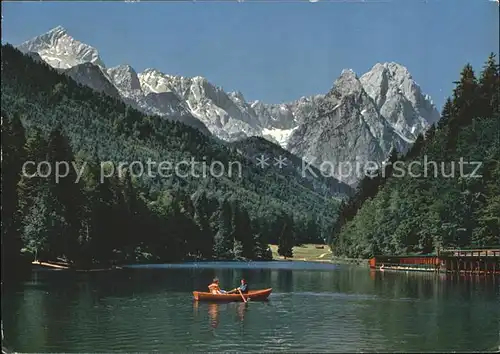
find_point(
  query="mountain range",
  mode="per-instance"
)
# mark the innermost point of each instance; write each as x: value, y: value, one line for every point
x: 360, y: 119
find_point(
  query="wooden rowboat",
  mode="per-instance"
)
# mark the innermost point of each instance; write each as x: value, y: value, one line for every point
x: 251, y: 295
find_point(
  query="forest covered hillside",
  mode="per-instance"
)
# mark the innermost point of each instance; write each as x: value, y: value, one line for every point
x: 46, y: 116
x: 445, y: 192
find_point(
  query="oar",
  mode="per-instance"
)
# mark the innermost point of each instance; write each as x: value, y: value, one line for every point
x: 239, y: 290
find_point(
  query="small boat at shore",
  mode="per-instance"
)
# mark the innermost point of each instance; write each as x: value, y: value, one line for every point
x: 251, y: 295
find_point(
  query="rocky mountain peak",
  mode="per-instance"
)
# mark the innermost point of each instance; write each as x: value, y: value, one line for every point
x: 237, y: 95
x: 399, y: 99
x: 346, y: 83
x: 60, y: 50
x: 58, y: 31
x: 124, y: 77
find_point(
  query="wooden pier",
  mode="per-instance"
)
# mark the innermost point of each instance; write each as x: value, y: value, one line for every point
x: 485, y: 261
x: 478, y: 261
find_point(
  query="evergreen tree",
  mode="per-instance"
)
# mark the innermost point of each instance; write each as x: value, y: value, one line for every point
x: 489, y: 88
x: 261, y: 248
x: 223, y: 241
x: 446, y: 114
x: 237, y: 249
x: 247, y: 235
x: 416, y: 147
x: 205, y: 240
x: 13, y: 139
x: 312, y: 230
x: 101, y: 223
x: 242, y: 231
x: 37, y: 232
x: 487, y: 232
x: 31, y: 184
x: 186, y: 225
x: 465, y: 104
x: 167, y: 243
x: 286, y: 238
x: 430, y: 133
x: 68, y: 194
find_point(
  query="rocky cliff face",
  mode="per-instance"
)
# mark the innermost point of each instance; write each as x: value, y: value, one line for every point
x: 399, y: 99
x: 360, y: 119
x: 162, y: 103
x: 227, y: 116
x: 92, y: 76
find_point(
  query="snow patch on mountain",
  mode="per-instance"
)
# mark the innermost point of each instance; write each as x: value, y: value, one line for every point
x: 279, y: 136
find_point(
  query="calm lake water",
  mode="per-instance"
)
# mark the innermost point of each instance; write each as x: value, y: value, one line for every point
x: 313, y: 308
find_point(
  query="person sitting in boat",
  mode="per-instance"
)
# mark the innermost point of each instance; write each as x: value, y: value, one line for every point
x: 243, y: 287
x: 214, y: 287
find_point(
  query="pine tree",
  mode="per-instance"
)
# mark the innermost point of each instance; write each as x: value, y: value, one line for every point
x: 68, y: 195
x: 312, y: 232
x: 261, y: 248
x: 36, y: 199
x: 248, y: 241
x: 286, y: 238
x: 416, y: 147
x: 237, y: 249
x: 446, y: 114
x: 205, y: 240
x: 101, y: 224
x: 223, y: 241
x: 129, y: 215
x: 188, y: 227
x: 13, y: 139
x: 242, y: 231
x: 31, y: 184
x: 168, y: 243
x: 37, y: 232
x: 489, y: 88
x: 339, y: 223
x: 465, y: 104
x: 430, y: 133
x: 487, y: 232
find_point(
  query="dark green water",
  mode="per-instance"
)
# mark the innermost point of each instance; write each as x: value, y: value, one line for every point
x: 316, y: 308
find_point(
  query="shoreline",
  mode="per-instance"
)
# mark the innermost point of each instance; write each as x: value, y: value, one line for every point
x: 310, y: 253
x: 53, y: 265
x: 59, y: 266
x: 315, y: 253
x: 360, y: 262
x: 65, y: 266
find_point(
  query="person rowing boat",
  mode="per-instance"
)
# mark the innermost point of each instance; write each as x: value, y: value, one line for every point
x: 243, y: 288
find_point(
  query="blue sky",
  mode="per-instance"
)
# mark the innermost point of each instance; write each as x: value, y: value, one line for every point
x: 275, y: 51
